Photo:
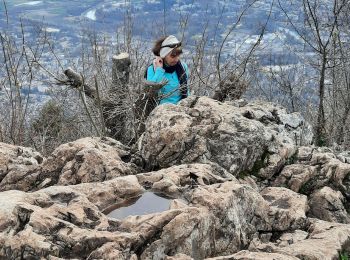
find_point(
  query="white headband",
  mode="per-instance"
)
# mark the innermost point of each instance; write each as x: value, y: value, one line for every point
x: 170, y: 40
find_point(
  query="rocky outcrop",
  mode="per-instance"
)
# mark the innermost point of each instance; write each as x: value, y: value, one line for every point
x: 62, y: 221
x: 318, y: 173
x: 85, y: 160
x: 287, y: 209
x: 252, y: 139
x: 344, y: 156
x: 237, y: 184
x: 327, y: 204
x: 68, y: 221
x: 17, y: 164
x: 325, y: 241
x: 175, y: 180
x: 248, y: 255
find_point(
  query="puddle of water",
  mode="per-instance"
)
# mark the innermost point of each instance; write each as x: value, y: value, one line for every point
x: 146, y: 204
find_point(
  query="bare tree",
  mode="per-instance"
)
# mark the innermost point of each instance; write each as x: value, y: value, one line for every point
x: 320, y: 25
x: 18, y: 59
x: 339, y: 104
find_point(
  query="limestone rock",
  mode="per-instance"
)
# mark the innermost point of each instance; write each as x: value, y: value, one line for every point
x: 214, y: 163
x: 327, y: 204
x: 295, y: 176
x: 315, y: 168
x: 247, y: 255
x: 16, y: 165
x: 207, y: 131
x: 287, y: 130
x: 277, y: 118
x: 287, y: 209
x: 68, y: 221
x: 88, y: 159
x: 344, y: 156
x: 212, y: 224
x: 325, y: 241
x: 62, y: 221
x: 291, y: 238
x: 173, y: 181
x: 242, y: 140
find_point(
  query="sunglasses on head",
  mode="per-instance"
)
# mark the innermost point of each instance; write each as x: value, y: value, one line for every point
x: 175, y: 45
x: 176, y: 52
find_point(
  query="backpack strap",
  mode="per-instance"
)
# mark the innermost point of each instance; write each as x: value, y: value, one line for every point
x: 182, y: 76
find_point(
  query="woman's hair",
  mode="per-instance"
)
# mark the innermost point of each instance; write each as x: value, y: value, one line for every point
x: 158, y: 45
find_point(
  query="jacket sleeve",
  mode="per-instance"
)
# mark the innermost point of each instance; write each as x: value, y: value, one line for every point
x: 155, y: 76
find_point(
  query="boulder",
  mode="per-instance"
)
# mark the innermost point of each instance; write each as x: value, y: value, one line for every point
x: 18, y: 166
x: 254, y: 139
x: 175, y: 180
x: 294, y: 176
x: 69, y: 221
x: 325, y: 241
x: 313, y: 169
x: 89, y: 159
x: 248, y: 255
x: 327, y: 204
x: 219, y: 219
x: 287, y: 209
x: 62, y: 221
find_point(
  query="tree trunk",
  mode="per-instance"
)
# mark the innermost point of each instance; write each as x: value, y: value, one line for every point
x: 115, y: 114
x: 321, y: 122
x: 340, y: 132
x: 116, y: 105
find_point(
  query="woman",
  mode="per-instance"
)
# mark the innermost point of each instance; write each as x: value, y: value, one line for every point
x: 168, y: 67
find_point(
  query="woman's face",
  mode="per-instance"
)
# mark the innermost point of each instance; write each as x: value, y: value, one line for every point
x: 172, y: 59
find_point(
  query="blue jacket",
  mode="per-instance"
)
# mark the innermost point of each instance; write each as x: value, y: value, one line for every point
x: 171, y: 90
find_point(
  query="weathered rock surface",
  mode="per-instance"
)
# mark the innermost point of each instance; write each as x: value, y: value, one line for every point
x: 85, y: 160
x: 287, y: 209
x: 247, y: 255
x: 318, y: 173
x: 344, y: 156
x: 62, y: 221
x: 175, y: 180
x: 329, y: 170
x: 214, y: 162
x: 68, y: 221
x: 325, y: 241
x: 16, y: 164
x: 253, y: 138
x: 219, y: 224
x: 295, y: 176
x: 327, y: 204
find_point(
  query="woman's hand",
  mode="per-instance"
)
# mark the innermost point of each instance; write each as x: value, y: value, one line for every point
x: 158, y: 62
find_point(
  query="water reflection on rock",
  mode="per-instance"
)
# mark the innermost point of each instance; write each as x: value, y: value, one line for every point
x: 148, y: 203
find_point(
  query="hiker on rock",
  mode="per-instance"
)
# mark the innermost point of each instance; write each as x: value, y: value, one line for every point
x: 167, y: 67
